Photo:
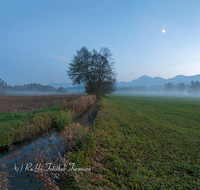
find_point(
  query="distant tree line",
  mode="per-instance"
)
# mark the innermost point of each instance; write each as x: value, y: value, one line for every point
x: 36, y: 87
x: 27, y: 87
x: 193, y: 88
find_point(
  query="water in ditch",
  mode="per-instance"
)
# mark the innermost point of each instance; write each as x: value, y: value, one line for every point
x: 22, y: 176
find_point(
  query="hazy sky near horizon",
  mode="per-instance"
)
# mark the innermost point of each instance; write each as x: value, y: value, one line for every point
x: 38, y: 38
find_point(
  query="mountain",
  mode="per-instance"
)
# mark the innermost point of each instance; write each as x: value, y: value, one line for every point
x: 184, y: 79
x: 149, y: 81
x: 177, y: 78
x: 144, y: 81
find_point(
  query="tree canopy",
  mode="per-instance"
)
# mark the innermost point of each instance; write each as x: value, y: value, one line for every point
x: 95, y: 70
x: 61, y: 90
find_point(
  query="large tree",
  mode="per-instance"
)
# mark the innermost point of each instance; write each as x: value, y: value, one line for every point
x: 95, y: 70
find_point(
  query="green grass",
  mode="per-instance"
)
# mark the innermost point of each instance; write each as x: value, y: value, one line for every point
x: 18, y: 126
x: 8, y: 117
x: 144, y: 143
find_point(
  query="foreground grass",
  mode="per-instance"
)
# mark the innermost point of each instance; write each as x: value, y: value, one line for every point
x: 16, y: 127
x: 142, y: 143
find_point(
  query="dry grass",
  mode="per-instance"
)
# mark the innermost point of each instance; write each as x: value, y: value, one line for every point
x: 71, y: 136
x: 80, y: 104
x: 4, y: 181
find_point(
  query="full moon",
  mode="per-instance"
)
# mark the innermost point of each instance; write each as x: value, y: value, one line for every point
x: 163, y: 31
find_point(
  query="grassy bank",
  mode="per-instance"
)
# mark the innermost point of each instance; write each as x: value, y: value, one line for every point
x: 142, y: 143
x: 16, y: 127
x: 19, y: 126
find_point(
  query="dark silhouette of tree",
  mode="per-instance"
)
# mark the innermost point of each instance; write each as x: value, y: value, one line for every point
x: 95, y: 70
x: 194, y: 87
x: 169, y: 87
x: 61, y: 90
x: 3, y: 87
x: 181, y: 87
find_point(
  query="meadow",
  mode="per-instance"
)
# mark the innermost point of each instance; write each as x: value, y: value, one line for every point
x: 136, y: 142
x: 142, y: 143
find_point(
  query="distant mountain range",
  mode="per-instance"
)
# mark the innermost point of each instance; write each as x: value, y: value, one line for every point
x: 149, y: 81
x: 145, y: 81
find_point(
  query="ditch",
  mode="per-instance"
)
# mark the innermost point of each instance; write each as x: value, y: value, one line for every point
x: 20, y: 178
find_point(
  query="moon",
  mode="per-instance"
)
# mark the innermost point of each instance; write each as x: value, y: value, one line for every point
x: 163, y: 31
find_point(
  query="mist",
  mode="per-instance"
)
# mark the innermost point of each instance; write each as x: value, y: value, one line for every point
x: 160, y: 92
x: 29, y: 93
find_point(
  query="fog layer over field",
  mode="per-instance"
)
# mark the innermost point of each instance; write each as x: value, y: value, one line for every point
x: 167, y: 90
x: 157, y: 93
x: 40, y: 93
x: 28, y: 93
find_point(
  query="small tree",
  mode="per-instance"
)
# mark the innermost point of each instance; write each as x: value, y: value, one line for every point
x: 169, y: 87
x: 95, y: 70
x: 181, y: 87
x: 194, y: 87
x: 61, y: 90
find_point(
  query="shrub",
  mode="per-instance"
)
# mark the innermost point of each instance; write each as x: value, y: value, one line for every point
x: 43, y: 121
x: 82, y: 103
x: 63, y: 119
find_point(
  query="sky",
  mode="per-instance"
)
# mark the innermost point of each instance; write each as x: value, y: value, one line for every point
x: 38, y: 38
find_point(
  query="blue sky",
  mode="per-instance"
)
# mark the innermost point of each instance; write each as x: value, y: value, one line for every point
x: 39, y: 37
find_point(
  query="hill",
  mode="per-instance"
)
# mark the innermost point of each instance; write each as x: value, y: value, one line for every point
x: 149, y: 81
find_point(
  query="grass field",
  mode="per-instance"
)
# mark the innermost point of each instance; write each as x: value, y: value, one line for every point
x: 136, y: 142
x: 143, y: 143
